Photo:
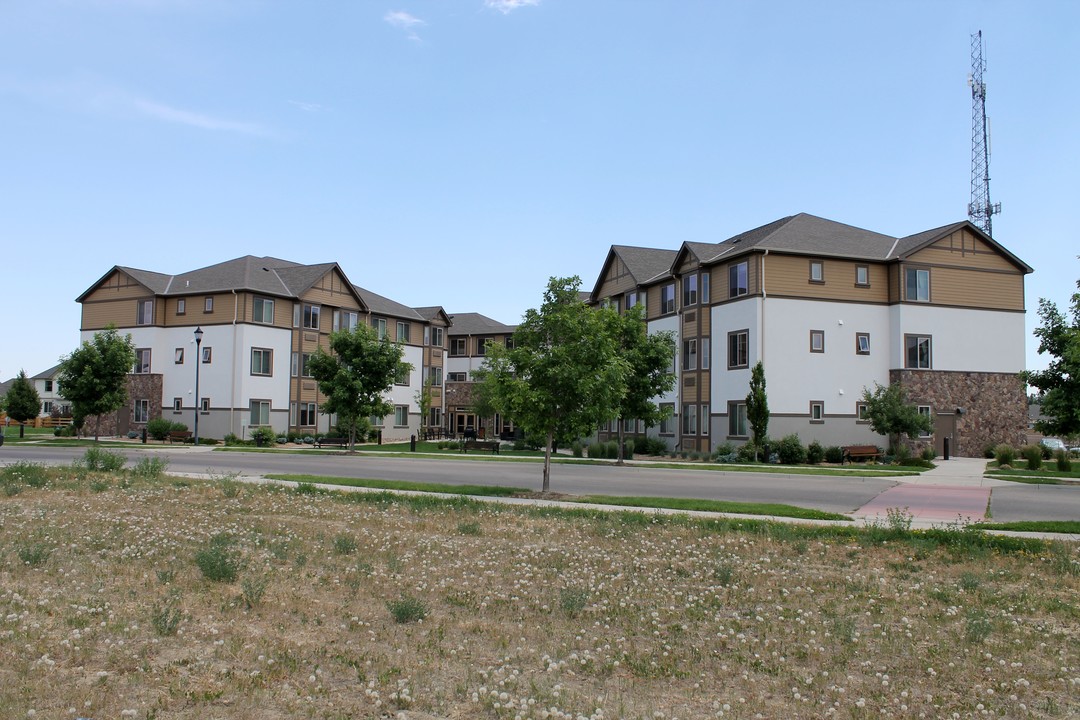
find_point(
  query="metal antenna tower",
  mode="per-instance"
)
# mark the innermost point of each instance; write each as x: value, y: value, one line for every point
x: 980, y: 209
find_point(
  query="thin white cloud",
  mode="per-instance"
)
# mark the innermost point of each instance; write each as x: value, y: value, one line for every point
x: 508, y: 6
x: 194, y: 119
x: 307, y: 106
x: 404, y: 21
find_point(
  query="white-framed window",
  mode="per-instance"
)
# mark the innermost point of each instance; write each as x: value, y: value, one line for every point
x: 508, y: 341
x: 862, y: 343
x: 144, y: 312
x: 142, y: 361
x: 178, y: 405
x: 204, y: 405
x: 481, y: 345
x: 142, y: 411
x: 667, y: 299
x: 705, y: 288
x: 435, y: 417
x: 459, y: 346
x: 689, y: 348
x: 307, y: 414
x: 862, y: 275
x: 705, y: 352
x: 402, y: 377
x: 262, y: 361
x: 262, y: 310
x: 380, y: 327
x: 208, y: 304
x: 862, y: 412
x: 704, y: 419
x: 344, y: 320
x: 178, y: 356
x: 377, y: 421
x: 737, y: 425
x: 207, y: 354
x: 689, y: 290
x: 401, y: 416
x: 917, y: 284
x: 311, y: 316
x: 817, y: 341
x: 927, y: 411
x: 738, y: 349
x: 633, y: 299
x: 305, y: 365
x: 817, y: 411
x: 667, y: 423
x: 457, y: 377
x: 292, y: 414
x: 260, y: 412
x: 817, y: 271
x: 294, y: 367
x: 49, y: 386
x: 46, y: 407
x: 435, y: 375
x: 437, y: 336
x: 738, y: 279
x: 689, y: 420
x: 403, y: 332
x: 181, y: 306
x: 917, y: 352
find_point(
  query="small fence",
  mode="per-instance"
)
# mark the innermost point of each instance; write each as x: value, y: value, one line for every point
x: 38, y: 422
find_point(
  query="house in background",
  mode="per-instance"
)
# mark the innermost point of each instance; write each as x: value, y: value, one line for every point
x: 261, y: 318
x: 48, y: 389
x: 830, y: 309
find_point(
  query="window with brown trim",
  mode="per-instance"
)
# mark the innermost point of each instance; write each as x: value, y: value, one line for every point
x: 862, y: 343
x: 817, y: 341
x: 862, y: 276
x: 817, y: 411
x: 817, y: 271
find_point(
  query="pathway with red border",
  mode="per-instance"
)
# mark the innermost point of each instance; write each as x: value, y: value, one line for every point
x: 931, y: 503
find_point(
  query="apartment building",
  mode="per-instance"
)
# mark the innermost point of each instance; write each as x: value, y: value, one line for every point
x: 261, y: 319
x: 830, y: 309
x: 469, y: 337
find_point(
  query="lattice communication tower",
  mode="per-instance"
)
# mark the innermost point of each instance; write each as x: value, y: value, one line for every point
x: 980, y: 209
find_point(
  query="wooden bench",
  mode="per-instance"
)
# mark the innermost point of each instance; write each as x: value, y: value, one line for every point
x: 338, y: 441
x: 493, y: 446
x: 860, y: 452
x: 179, y: 435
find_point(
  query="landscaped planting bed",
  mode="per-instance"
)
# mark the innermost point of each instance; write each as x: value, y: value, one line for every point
x: 148, y: 597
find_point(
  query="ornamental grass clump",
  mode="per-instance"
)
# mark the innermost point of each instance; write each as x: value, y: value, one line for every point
x: 1005, y: 455
x: 1033, y: 455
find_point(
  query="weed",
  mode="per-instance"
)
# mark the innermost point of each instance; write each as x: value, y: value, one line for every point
x: 167, y: 576
x: 407, y: 609
x: 99, y: 485
x: 344, y: 544
x: 969, y: 582
x: 724, y: 573
x: 977, y: 626
x: 150, y: 468
x: 98, y: 459
x: 219, y: 560
x: 229, y: 484
x: 253, y: 589
x: 34, y: 555
x: 166, y: 616
x: 573, y: 600
x: 469, y: 528
x: 23, y: 473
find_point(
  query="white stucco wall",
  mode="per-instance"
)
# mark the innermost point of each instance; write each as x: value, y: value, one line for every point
x: 962, y: 339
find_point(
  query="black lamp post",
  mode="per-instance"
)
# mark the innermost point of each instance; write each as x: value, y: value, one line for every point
x: 198, y: 361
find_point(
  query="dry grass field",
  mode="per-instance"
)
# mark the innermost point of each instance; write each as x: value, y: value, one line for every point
x: 143, y: 596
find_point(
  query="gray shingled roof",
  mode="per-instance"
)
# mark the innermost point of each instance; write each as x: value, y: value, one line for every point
x: 430, y: 312
x: 809, y: 235
x: 385, y: 306
x: 645, y: 264
x: 477, y: 324
x: 47, y: 374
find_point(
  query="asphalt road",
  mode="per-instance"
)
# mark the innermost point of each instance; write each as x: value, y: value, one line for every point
x: 1009, y: 502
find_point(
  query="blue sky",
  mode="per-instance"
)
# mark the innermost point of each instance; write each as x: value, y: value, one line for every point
x: 460, y: 152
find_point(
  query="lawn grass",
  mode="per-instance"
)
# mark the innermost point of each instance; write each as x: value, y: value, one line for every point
x: 718, y: 506
x: 1041, y: 526
x: 481, y: 490
x: 1048, y: 474
x: 366, y: 605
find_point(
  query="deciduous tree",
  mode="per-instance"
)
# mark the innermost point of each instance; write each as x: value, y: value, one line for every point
x: 563, y: 376
x: 890, y: 415
x: 22, y: 402
x: 649, y: 369
x: 94, y: 377
x: 356, y: 376
x: 757, y: 408
x: 1059, y: 383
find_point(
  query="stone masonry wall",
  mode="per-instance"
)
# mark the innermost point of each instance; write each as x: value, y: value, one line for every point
x: 139, y: 387
x: 995, y: 406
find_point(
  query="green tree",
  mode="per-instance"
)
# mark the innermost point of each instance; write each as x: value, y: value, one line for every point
x: 1059, y: 383
x: 891, y: 416
x: 564, y: 375
x: 22, y: 401
x: 94, y: 377
x: 356, y: 377
x: 423, y: 400
x: 648, y: 373
x: 757, y: 408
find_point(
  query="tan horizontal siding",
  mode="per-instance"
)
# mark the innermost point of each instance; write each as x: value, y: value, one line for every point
x: 789, y: 275
x: 617, y: 281
x: 978, y: 289
x: 963, y: 248
x: 719, y: 289
x: 119, y: 285
x: 97, y: 315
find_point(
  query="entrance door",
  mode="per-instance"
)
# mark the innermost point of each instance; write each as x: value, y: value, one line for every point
x: 945, y: 427
x: 123, y: 421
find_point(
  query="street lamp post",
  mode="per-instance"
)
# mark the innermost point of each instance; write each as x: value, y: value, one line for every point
x: 198, y: 362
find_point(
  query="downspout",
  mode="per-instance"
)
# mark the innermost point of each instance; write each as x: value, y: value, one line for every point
x: 232, y: 373
x: 764, y: 296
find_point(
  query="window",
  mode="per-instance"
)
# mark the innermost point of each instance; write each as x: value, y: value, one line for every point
x: 204, y: 406
x: 667, y: 299
x: 457, y: 377
x: 704, y: 288
x: 481, y: 346
x: 311, y: 316
x: 738, y: 349
x: 917, y: 352
x: 292, y: 414
x: 817, y: 411
x: 305, y: 365
x: 178, y: 357
x: 817, y: 271
x: 178, y: 405
x: 817, y: 341
x: 689, y: 349
x: 48, y: 386
x: 458, y: 346
x: 344, y: 320
x: 689, y: 290
x: 633, y: 299
x: 262, y: 361
x: 46, y: 407
x: 142, y: 411
x: 181, y: 306
x: 862, y: 412
x: 142, y: 361
x: 705, y: 353
x: 737, y: 426
x: 296, y: 315
x: 689, y: 419
x: 917, y: 283
x: 862, y: 343
x: 435, y: 376
x: 403, y: 332
x: 208, y: 305
x: 738, y: 279
x: 509, y: 342
x: 144, y: 312
x: 401, y: 416
x: 307, y: 414
x: 704, y: 419
x: 862, y: 275
x: 437, y: 337
x: 436, y: 417
x: 260, y: 412
x: 207, y: 354
x: 294, y: 366
x: 925, y: 410
x: 262, y: 311
x: 380, y: 327
x: 377, y: 421
x: 402, y: 377
x: 667, y: 421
